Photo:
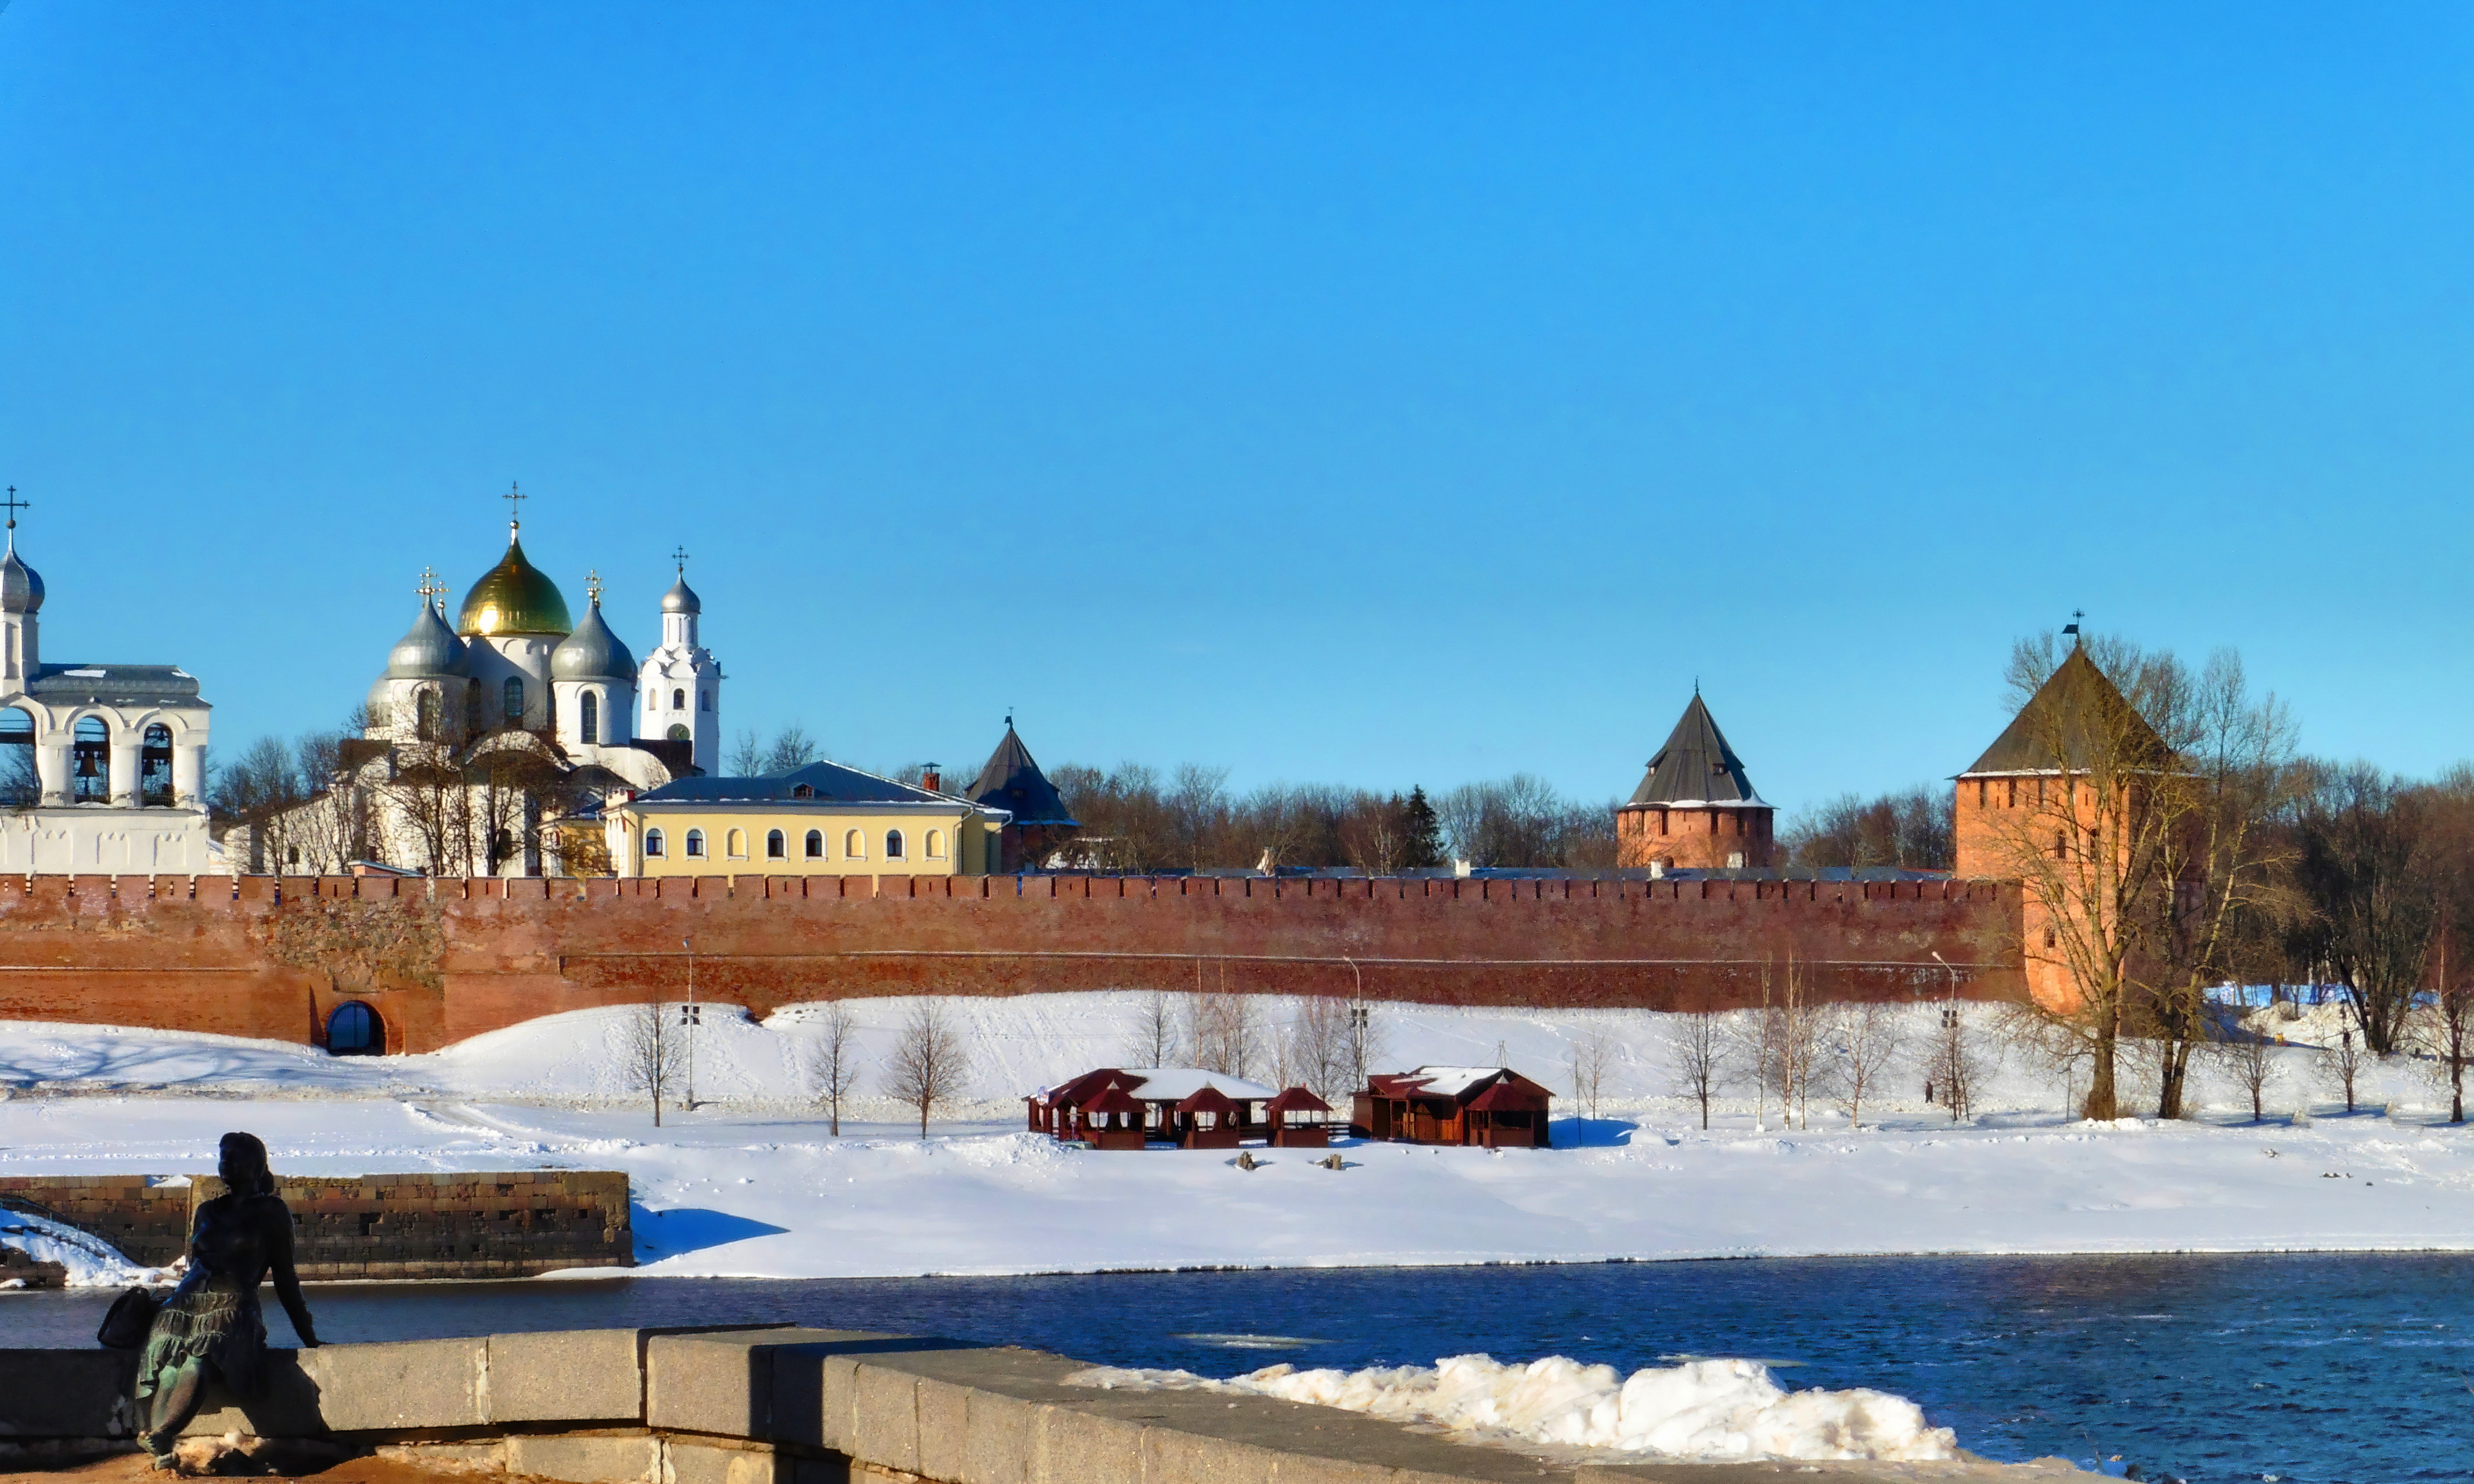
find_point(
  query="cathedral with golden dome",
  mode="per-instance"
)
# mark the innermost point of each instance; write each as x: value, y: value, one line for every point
x: 489, y: 747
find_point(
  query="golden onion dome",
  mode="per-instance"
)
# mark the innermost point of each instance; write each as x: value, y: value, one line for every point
x: 513, y: 598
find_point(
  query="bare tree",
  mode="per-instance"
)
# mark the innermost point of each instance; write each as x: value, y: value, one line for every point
x: 1314, y: 1050
x: 2367, y: 870
x: 2443, y: 1030
x: 1866, y: 1040
x: 430, y: 797
x: 1592, y: 1059
x: 1223, y: 1031
x: 2341, y: 1066
x: 1153, y: 1039
x: 1912, y: 829
x: 833, y: 1062
x: 2247, y: 1060
x: 651, y: 1061
x: 1698, y: 1058
x: 930, y: 1062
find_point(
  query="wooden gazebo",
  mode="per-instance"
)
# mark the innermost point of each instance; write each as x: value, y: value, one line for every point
x: 1208, y: 1119
x: 1491, y: 1108
x: 1284, y: 1134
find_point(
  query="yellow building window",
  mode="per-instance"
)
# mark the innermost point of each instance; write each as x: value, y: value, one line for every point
x: 815, y: 844
x: 777, y: 846
x: 893, y: 844
x: 695, y: 842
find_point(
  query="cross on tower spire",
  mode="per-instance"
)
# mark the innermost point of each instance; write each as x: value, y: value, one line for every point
x: 14, y: 505
x: 515, y: 499
x: 592, y: 586
x: 431, y: 587
x: 680, y: 556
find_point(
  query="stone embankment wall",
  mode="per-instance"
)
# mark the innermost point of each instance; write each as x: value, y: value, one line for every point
x: 462, y: 1225
x: 147, y: 1220
x: 800, y: 1406
x: 440, y: 960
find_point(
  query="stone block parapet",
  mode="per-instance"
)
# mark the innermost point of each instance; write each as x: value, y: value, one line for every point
x: 820, y: 1406
x: 458, y: 1223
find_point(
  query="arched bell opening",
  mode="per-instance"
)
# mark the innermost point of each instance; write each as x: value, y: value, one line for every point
x: 20, y: 781
x: 354, y: 1029
x: 155, y: 767
x: 90, y: 762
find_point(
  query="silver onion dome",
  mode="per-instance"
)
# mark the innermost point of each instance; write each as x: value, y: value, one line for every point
x: 428, y: 651
x: 681, y: 598
x: 592, y: 652
x: 21, y: 586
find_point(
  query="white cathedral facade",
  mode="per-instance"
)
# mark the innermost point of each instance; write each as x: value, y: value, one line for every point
x: 489, y: 747
x: 102, y: 765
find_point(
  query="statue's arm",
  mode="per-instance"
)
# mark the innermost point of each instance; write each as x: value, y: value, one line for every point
x: 287, y: 1281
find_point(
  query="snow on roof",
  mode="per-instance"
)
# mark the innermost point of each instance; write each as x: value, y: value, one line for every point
x: 1451, y: 1082
x: 1177, y: 1084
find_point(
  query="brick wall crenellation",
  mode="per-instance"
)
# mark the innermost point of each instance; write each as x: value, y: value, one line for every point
x: 251, y: 957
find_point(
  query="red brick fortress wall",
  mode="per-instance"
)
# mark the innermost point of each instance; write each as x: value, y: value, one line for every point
x: 446, y: 959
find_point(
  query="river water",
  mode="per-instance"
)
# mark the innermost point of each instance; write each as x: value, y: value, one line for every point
x: 2313, y: 1368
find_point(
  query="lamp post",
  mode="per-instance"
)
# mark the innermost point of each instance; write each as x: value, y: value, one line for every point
x: 690, y: 945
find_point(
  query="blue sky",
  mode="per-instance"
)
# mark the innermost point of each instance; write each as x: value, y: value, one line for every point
x: 1374, y: 394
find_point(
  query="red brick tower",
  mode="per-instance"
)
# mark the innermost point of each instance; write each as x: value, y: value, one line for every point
x: 1694, y: 809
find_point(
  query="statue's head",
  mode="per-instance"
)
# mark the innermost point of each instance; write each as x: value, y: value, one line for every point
x: 243, y: 1165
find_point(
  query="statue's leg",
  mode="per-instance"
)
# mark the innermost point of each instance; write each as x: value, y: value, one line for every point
x: 175, y: 1402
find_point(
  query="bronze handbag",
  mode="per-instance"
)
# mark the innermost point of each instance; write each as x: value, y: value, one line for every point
x: 131, y: 1319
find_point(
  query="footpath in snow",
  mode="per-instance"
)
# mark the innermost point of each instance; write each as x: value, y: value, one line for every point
x: 751, y: 1184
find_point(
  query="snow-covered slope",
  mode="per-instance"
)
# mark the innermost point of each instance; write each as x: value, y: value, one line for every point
x: 753, y: 1184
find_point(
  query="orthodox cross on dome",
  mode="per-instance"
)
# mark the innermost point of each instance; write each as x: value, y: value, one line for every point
x: 592, y: 587
x: 680, y: 556
x: 430, y: 587
x: 515, y: 499
x: 14, y: 505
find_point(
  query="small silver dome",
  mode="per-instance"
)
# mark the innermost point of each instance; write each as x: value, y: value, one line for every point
x: 21, y: 586
x: 592, y: 652
x: 681, y: 598
x: 428, y: 651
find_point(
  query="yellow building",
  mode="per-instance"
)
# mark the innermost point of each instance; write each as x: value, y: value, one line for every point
x: 823, y: 819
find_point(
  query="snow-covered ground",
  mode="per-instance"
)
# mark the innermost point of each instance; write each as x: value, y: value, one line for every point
x: 751, y: 1184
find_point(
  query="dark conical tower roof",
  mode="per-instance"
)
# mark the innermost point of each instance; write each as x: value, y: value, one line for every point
x: 2077, y: 716
x: 1011, y: 780
x: 1696, y: 767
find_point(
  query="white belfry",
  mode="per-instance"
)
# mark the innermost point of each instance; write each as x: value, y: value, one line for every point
x: 105, y: 763
x: 681, y: 683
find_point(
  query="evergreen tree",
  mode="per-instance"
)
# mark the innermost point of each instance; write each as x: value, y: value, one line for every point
x: 1423, y: 831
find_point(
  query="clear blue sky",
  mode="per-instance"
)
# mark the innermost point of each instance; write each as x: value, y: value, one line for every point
x: 1365, y: 393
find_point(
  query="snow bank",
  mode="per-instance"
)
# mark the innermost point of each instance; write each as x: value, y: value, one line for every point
x: 1706, y: 1410
x: 92, y: 1261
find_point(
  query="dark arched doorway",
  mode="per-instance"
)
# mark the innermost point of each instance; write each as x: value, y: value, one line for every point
x: 354, y: 1029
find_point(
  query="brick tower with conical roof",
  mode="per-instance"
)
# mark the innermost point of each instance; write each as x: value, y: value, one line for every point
x: 1695, y: 808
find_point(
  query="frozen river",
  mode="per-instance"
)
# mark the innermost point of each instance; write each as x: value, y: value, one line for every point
x: 2309, y: 1369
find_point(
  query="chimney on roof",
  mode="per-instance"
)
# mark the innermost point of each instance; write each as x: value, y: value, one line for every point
x: 930, y: 780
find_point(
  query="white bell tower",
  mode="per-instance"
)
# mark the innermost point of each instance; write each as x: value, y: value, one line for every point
x: 680, y: 684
